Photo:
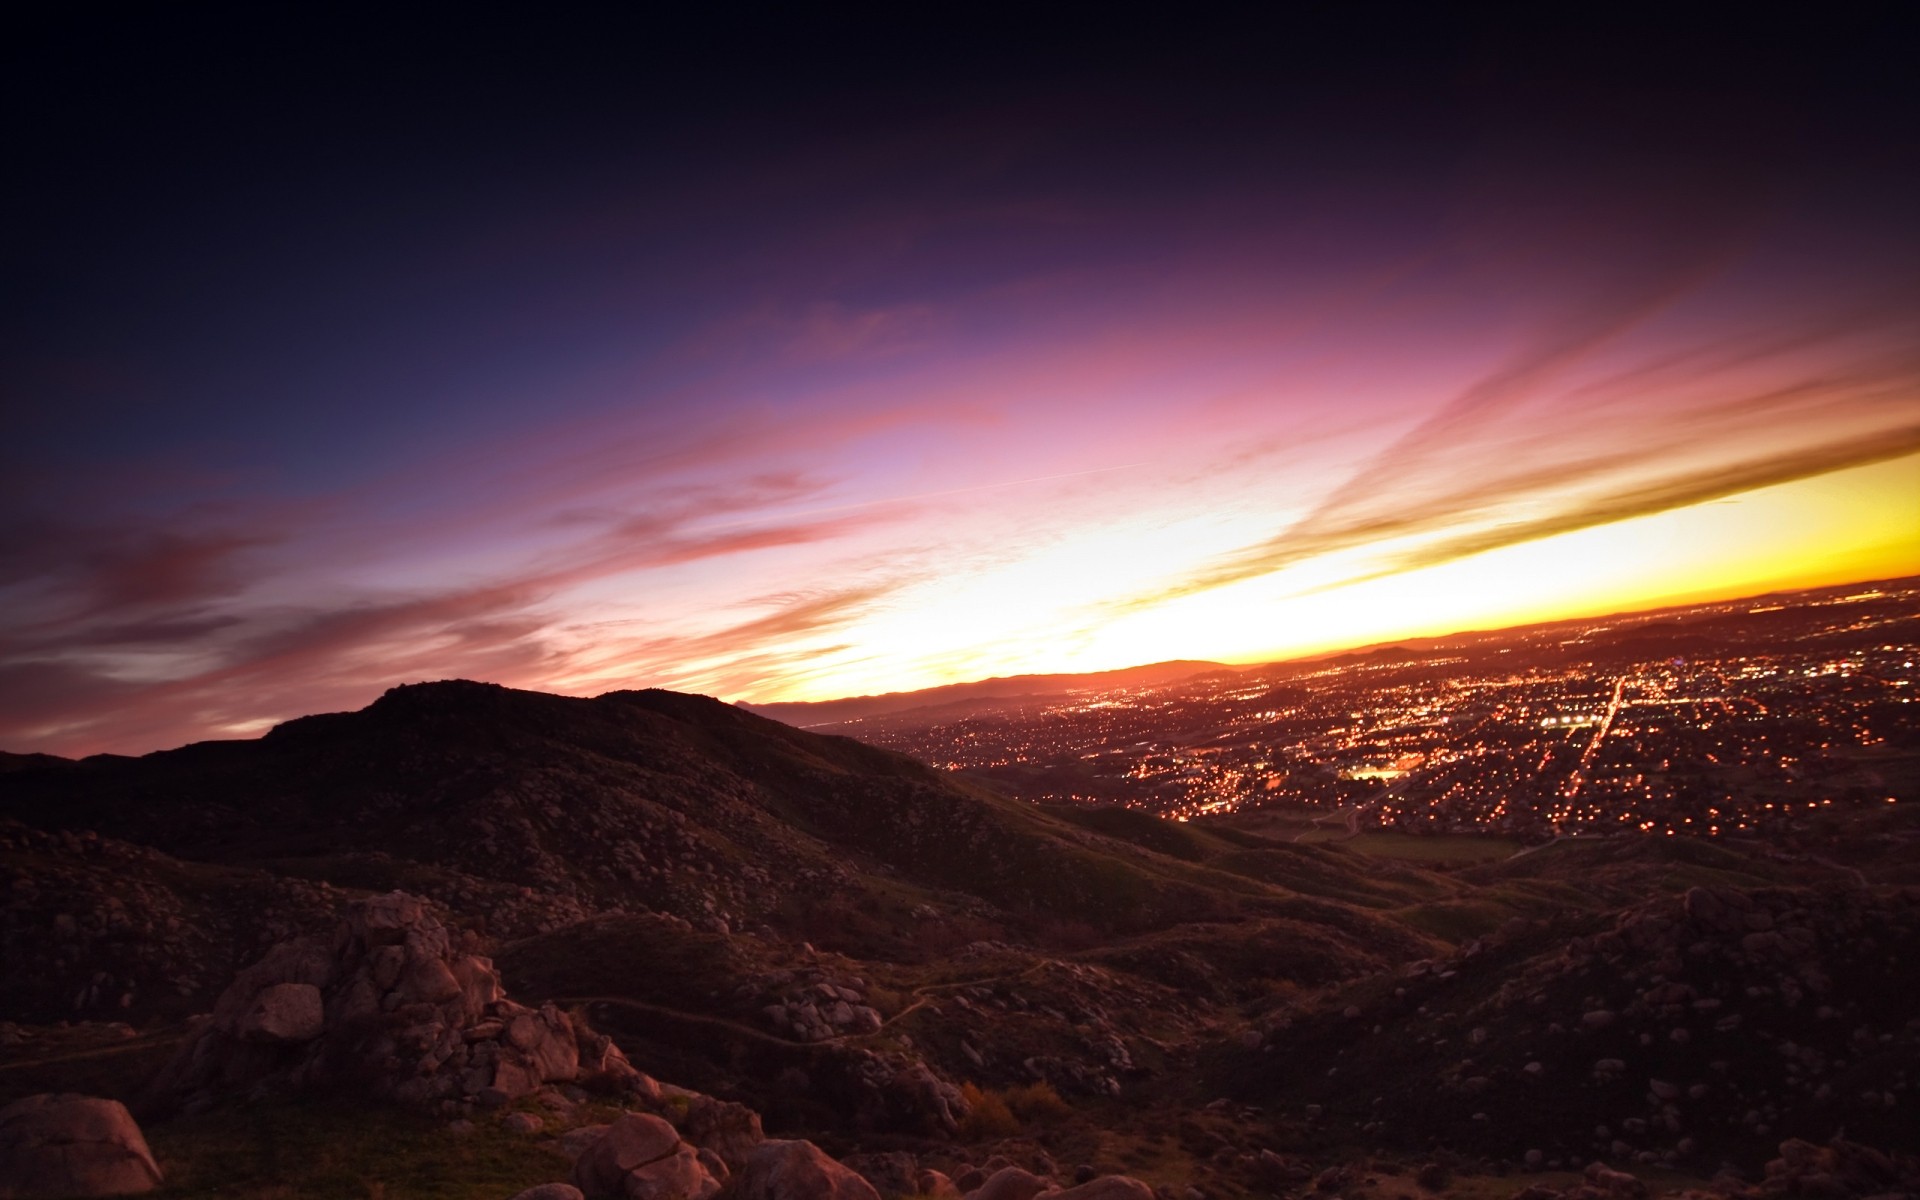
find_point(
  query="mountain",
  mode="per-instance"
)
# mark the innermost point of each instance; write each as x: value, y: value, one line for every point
x: 809, y: 714
x: 528, y: 812
x: 845, y: 939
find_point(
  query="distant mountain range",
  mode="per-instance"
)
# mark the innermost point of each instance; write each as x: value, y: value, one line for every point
x: 805, y: 714
x: 1677, y: 629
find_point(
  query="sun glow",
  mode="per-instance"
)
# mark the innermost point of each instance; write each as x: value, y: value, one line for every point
x: 1048, y: 610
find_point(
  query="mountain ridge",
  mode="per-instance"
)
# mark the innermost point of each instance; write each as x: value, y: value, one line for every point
x: 831, y: 933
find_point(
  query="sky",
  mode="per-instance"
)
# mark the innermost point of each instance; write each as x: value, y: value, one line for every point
x: 786, y: 357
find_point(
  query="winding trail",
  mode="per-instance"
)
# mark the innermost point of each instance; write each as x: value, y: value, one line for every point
x: 127, y: 1047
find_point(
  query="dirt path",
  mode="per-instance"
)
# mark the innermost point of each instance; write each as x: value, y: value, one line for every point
x: 132, y: 1046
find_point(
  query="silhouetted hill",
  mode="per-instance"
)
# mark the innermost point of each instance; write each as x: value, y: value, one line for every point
x: 525, y: 812
x: 30, y: 762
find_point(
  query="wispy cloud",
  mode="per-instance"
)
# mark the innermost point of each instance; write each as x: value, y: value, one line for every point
x: 1632, y: 442
x: 155, y: 637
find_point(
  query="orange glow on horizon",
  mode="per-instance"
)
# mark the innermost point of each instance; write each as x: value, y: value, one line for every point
x: 1846, y: 526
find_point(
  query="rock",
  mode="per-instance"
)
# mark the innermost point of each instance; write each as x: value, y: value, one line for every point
x: 891, y: 1174
x: 1010, y: 1183
x: 1819, y: 1185
x: 284, y: 1012
x: 574, y: 1142
x: 66, y: 1145
x: 1599, y: 1018
x: 679, y: 1176
x: 1433, y: 1177
x: 936, y: 1185
x: 1615, y: 1183
x: 550, y: 1191
x: 521, y: 1122
x: 1278, y: 1173
x: 389, y: 1006
x: 1106, y: 1187
x: 729, y: 1130
x: 632, y: 1142
x: 796, y: 1170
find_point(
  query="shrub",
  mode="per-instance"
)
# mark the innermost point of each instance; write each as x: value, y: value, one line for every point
x: 987, y: 1115
x: 1035, y: 1102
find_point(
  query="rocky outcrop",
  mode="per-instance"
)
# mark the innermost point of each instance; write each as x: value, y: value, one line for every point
x: 892, y: 1173
x: 1106, y: 1187
x: 812, y: 1005
x: 60, y: 1145
x: 727, y: 1130
x: 1010, y: 1183
x: 898, y: 1090
x: 641, y: 1157
x: 99, y: 929
x: 1838, y: 1169
x: 793, y: 1170
x: 388, y: 1006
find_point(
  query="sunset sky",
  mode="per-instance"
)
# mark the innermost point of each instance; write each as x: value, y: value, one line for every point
x: 793, y: 360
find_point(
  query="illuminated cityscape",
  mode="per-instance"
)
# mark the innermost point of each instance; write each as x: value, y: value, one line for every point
x: 1720, y: 719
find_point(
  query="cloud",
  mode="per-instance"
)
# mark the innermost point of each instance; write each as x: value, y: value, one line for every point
x: 1687, y: 428
x: 225, y: 660
x: 105, y: 568
x: 1661, y: 495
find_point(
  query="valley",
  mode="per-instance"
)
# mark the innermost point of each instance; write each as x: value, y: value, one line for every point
x: 912, y: 968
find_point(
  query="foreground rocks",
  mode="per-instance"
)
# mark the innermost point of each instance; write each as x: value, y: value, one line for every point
x: 644, y: 1157
x: 60, y: 1145
x: 788, y: 1170
x: 641, y: 1157
x: 388, y: 1006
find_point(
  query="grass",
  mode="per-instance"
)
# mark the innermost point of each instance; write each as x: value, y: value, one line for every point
x: 339, y: 1151
x: 89, y: 1059
x: 1440, y: 848
x: 1458, y: 921
x: 641, y: 958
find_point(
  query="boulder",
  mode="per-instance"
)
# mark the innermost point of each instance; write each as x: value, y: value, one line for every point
x: 795, y: 1170
x: 1105, y: 1187
x: 936, y: 1184
x: 635, y: 1141
x: 1615, y: 1183
x: 550, y: 1191
x: 730, y: 1130
x: 388, y: 1006
x: 283, y: 1012
x: 681, y: 1175
x: 65, y: 1145
x: 575, y: 1142
x: 1010, y: 1183
x: 894, y: 1173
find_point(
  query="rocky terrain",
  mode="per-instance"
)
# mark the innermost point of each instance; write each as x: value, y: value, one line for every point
x: 458, y: 928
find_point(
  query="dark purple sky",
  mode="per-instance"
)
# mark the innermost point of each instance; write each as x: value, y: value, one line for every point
x: 791, y: 357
